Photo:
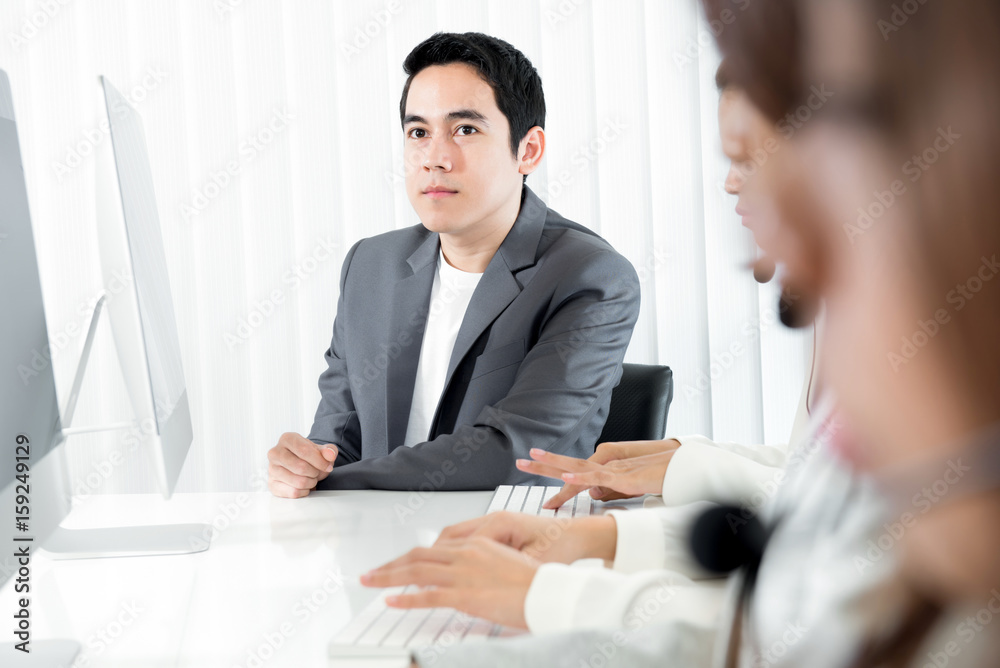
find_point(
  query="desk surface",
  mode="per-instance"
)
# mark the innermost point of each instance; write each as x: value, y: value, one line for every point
x: 279, y: 580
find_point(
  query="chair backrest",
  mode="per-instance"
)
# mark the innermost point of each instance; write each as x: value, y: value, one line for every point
x: 639, y: 404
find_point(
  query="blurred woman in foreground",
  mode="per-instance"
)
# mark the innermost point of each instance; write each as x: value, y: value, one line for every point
x: 900, y: 205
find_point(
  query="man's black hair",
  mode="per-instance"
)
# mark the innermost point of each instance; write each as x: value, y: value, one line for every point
x: 517, y: 88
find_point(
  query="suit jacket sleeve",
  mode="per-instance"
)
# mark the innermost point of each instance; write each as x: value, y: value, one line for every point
x: 563, y: 380
x: 336, y: 419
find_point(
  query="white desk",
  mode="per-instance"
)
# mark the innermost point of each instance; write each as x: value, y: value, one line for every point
x: 279, y: 580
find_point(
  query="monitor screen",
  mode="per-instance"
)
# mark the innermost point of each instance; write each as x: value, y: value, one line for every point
x: 28, y: 403
x: 149, y: 263
x: 31, y: 486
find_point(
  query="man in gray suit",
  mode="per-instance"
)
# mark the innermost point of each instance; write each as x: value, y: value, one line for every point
x: 493, y: 327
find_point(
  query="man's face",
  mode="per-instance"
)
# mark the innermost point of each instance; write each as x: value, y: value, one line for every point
x: 460, y: 171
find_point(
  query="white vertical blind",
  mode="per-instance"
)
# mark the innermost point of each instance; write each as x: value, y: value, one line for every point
x: 273, y: 133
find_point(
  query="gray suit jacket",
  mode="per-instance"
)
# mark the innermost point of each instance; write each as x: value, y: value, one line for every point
x: 536, y: 358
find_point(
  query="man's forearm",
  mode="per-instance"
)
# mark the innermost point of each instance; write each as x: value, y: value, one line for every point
x: 473, y: 458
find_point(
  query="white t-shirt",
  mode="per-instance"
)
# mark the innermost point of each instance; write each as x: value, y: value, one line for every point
x: 450, y: 297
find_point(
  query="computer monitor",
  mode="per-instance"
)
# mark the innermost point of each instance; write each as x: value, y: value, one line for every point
x: 33, y: 482
x: 142, y: 318
x: 145, y: 335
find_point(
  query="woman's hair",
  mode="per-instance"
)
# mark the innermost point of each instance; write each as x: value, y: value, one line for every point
x: 939, y: 77
x: 931, y: 77
x: 756, y: 47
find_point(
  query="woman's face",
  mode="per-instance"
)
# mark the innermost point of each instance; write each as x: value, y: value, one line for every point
x: 757, y: 151
x: 850, y: 207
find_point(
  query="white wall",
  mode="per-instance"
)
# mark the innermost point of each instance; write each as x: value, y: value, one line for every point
x: 633, y: 152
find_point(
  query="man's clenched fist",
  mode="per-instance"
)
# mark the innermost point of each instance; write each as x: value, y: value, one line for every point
x: 296, y: 465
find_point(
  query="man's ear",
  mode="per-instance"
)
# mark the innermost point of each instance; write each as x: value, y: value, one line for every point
x: 531, y: 150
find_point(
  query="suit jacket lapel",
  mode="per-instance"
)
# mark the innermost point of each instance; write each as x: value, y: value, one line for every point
x: 408, y: 312
x: 498, y: 287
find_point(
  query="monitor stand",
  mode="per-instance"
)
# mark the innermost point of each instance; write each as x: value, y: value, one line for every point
x: 134, y: 541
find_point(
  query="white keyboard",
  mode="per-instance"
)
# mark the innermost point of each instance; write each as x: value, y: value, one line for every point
x: 383, y: 632
x: 528, y: 499
x: 389, y: 634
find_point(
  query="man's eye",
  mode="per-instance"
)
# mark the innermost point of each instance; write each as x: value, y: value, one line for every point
x: 417, y: 133
x: 467, y: 130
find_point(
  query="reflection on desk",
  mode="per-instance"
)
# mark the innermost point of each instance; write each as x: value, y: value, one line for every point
x: 279, y: 580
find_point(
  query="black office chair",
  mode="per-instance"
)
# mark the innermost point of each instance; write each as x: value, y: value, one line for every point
x: 639, y: 404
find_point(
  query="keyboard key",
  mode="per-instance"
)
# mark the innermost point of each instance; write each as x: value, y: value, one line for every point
x: 533, y: 502
x: 549, y: 493
x: 406, y: 628
x: 428, y: 632
x: 350, y: 634
x: 481, y: 630
x: 517, y: 497
x: 382, y: 627
x: 499, y: 500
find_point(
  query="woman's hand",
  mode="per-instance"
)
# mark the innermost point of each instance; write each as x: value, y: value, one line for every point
x: 546, y: 539
x: 614, y: 471
x: 477, y: 576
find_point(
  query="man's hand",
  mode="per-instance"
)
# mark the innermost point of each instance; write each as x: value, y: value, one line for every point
x: 547, y: 539
x: 477, y: 576
x: 296, y: 465
x: 615, y: 470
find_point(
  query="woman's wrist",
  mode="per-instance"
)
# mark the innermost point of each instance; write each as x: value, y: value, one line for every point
x: 599, y: 535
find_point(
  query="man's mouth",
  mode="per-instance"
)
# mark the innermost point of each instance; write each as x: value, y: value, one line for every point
x: 439, y: 192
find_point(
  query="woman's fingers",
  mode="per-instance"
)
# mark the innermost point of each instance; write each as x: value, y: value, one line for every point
x: 563, y: 495
x: 600, y: 478
x: 423, y: 574
x: 562, y: 461
x: 537, y: 468
x: 425, y: 598
x: 418, y: 554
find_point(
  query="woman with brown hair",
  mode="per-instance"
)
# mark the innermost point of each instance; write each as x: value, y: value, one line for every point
x: 897, y: 215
